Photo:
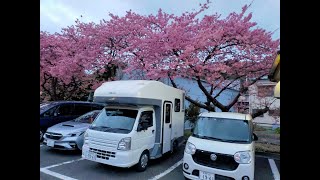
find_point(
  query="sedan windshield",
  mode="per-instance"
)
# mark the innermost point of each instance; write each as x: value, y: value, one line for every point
x: 115, y: 120
x: 88, y: 117
x: 222, y: 129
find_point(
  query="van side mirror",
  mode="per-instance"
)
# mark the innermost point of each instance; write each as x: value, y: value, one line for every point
x: 254, y: 137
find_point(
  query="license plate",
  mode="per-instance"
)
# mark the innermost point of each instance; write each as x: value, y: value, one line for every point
x: 90, y: 155
x: 50, y: 143
x: 206, y: 176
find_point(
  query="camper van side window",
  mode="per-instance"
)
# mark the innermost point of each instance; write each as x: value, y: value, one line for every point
x: 177, y: 105
x: 148, y: 117
x: 168, y: 113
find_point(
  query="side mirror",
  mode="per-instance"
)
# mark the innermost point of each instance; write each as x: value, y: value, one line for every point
x: 255, y: 137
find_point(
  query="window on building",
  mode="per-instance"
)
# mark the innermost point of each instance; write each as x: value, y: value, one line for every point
x: 275, y: 112
x: 265, y: 91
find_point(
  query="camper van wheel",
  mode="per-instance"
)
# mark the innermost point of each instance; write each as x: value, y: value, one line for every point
x: 143, y: 161
x: 175, y: 146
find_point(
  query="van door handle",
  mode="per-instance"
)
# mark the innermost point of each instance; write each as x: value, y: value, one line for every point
x: 152, y: 131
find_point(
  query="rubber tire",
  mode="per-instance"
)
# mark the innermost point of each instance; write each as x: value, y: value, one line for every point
x: 175, y: 146
x: 139, y: 168
x: 41, y: 131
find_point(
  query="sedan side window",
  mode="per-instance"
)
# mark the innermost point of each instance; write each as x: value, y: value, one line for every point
x: 65, y: 110
x: 49, y: 112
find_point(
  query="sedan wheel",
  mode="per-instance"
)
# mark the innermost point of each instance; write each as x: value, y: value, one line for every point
x: 41, y: 135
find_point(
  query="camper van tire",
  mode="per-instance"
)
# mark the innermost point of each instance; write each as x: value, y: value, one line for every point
x: 143, y: 161
x: 174, y: 146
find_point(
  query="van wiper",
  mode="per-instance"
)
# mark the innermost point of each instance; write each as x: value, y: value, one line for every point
x: 120, y: 129
x: 99, y: 127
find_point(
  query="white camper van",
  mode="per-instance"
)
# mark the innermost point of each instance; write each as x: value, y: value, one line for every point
x: 143, y: 120
x: 222, y: 146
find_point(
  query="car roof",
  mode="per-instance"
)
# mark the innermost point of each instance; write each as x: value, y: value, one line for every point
x: 75, y: 102
x: 229, y: 115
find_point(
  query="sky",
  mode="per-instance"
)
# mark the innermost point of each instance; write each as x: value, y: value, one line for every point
x: 57, y: 14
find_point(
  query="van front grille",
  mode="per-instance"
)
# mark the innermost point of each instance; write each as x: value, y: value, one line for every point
x: 223, y: 161
x: 102, y: 154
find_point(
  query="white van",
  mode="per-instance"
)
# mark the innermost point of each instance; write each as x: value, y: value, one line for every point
x: 143, y: 120
x: 221, y: 147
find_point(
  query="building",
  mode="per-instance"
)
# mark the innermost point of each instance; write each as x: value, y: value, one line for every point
x: 274, y: 75
x: 259, y: 96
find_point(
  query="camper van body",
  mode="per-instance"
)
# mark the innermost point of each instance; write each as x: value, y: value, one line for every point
x: 132, y: 144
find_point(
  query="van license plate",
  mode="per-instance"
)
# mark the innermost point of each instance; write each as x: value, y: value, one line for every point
x: 91, y: 156
x: 206, y: 176
x: 50, y: 143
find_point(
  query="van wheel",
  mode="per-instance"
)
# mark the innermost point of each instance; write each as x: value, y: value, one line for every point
x: 143, y: 162
x: 174, y: 146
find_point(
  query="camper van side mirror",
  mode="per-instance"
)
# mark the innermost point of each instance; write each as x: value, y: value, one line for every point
x: 255, y: 137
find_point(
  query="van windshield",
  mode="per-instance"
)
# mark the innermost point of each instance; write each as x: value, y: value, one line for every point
x: 115, y: 120
x: 222, y: 129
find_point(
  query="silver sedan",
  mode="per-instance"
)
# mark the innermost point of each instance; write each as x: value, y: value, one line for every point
x: 69, y: 135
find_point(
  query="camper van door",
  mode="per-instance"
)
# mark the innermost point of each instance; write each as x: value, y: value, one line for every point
x: 167, y: 127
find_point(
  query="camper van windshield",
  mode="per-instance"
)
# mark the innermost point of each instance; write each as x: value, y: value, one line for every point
x: 222, y: 129
x: 115, y: 120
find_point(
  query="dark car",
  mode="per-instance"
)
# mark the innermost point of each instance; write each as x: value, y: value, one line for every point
x: 60, y: 111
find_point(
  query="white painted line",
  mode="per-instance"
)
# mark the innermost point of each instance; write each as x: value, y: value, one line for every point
x: 167, y: 171
x: 274, y: 169
x: 67, y: 162
x: 57, y: 175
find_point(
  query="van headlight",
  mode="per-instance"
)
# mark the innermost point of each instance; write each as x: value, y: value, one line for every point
x: 242, y: 157
x: 190, y: 148
x: 125, y: 144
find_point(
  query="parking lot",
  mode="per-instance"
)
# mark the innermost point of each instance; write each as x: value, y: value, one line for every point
x: 55, y: 164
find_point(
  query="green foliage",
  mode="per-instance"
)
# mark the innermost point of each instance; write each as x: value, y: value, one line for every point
x: 277, y: 130
x: 192, y: 112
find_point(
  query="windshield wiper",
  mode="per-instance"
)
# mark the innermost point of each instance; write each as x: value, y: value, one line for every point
x: 120, y: 129
x: 99, y: 127
x: 218, y: 139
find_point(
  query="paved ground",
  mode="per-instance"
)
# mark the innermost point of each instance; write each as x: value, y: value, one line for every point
x: 56, y: 164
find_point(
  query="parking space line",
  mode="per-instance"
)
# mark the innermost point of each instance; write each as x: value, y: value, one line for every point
x: 67, y: 162
x: 274, y: 169
x: 57, y: 175
x: 167, y: 171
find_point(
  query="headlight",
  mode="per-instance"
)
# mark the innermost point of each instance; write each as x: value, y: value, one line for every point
x: 190, y: 148
x: 75, y: 134
x: 125, y: 144
x: 242, y: 157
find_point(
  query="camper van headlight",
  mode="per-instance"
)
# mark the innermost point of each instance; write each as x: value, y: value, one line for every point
x: 190, y: 148
x: 242, y: 157
x: 125, y: 144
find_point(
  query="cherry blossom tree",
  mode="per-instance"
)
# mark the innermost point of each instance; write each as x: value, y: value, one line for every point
x: 230, y: 52
x: 226, y: 52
